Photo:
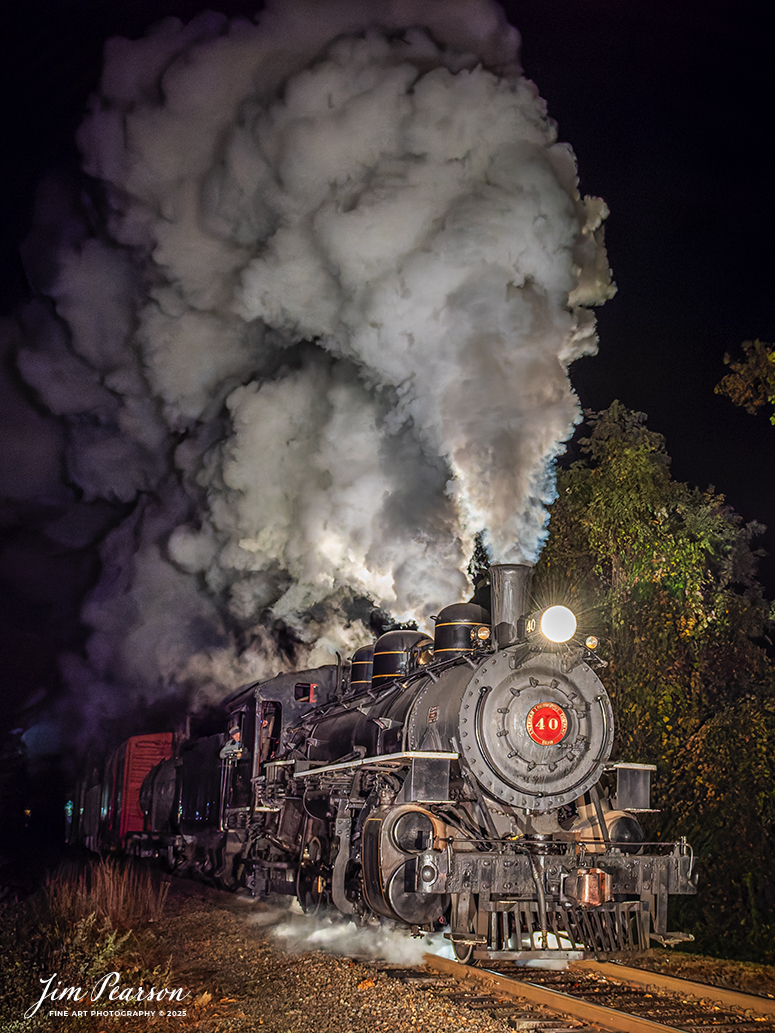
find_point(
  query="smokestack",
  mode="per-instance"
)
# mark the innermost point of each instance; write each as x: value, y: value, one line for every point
x: 510, y: 592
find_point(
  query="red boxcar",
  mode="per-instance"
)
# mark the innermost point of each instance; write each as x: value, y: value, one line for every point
x: 124, y: 773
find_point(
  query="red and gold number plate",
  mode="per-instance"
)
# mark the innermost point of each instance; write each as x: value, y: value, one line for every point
x: 546, y: 724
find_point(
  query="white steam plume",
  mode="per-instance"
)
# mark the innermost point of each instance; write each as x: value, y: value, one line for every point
x: 336, y: 934
x: 318, y: 334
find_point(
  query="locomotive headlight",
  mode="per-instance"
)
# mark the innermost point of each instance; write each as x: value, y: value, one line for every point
x: 558, y: 624
x: 482, y: 633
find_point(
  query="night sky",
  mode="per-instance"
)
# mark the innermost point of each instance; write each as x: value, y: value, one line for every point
x: 668, y: 107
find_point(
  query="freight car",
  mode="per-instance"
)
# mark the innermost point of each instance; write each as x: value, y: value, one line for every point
x: 105, y: 812
x: 460, y: 783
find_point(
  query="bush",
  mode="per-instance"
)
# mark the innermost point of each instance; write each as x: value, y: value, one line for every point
x: 81, y: 925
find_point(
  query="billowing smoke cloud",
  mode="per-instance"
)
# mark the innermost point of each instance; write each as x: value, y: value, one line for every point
x: 317, y: 333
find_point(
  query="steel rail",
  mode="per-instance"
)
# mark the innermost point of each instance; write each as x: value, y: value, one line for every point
x: 646, y: 977
x: 563, y: 1004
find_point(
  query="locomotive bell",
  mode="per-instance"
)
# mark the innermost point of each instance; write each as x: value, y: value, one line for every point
x: 589, y: 887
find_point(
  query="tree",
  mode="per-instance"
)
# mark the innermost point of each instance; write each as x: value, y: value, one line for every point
x: 751, y: 384
x: 663, y: 574
x: 722, y: 799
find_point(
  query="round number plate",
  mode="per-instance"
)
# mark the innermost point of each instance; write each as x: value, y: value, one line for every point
x: 546, y: 724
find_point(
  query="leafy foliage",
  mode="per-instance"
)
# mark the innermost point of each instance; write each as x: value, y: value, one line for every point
x: 723, y: 800
x: 664, y: 576
x: 751, y: 384
x: 77, y: 926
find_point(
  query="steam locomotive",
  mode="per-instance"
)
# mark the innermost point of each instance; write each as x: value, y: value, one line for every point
x: 458, y: 783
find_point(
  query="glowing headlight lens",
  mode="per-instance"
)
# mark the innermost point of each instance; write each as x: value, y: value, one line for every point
x: 558, y: 624
x: 483, y: 633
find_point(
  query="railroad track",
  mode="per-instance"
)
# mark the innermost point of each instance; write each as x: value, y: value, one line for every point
x: 592, y: 996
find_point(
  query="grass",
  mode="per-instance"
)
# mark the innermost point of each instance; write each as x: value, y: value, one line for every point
x: 115, y: 891
x: 85, y: 922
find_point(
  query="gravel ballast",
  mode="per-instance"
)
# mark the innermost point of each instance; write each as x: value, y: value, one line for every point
x: 228, y: 955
